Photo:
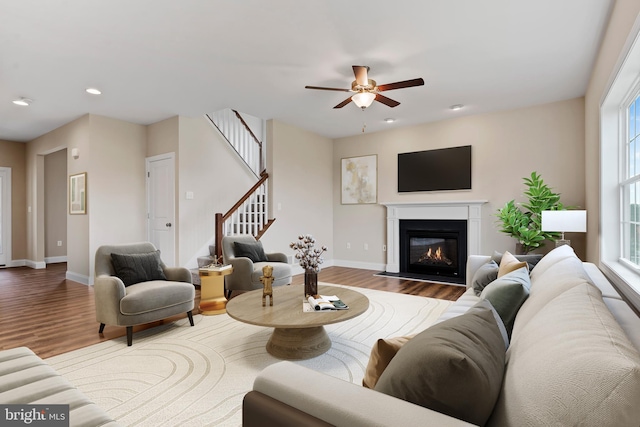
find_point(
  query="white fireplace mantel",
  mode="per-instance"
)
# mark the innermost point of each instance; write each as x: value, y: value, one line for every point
x: 469, y: 210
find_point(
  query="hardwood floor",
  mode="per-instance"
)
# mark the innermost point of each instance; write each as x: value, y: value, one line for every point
x: 42, y: 310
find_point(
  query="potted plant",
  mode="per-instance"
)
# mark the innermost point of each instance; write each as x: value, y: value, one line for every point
x: 310, y: 259
x: 523, y: 221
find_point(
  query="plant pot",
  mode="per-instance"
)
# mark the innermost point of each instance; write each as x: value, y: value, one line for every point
x: 520, y: 249
x: 310, y: 283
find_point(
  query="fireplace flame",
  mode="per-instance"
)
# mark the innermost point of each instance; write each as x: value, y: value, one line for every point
x: 436, y: 255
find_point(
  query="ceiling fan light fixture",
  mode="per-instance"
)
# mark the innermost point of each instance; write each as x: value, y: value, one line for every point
x: 363, y: 99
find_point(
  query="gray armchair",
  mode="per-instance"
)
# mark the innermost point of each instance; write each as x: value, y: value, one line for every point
x: 246, y: 273
x: 157, y: 292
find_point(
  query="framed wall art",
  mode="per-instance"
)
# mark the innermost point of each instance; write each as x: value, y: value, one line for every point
x: 359, y: 180
x: 78, y: 194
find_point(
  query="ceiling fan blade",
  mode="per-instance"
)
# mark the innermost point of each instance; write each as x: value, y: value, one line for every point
x: 360, y: 72
x: 343, y: 103
x: 400, y: 85
x: 386, y: 101
x: 327, y: 88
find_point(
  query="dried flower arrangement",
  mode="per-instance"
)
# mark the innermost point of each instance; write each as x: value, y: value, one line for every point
x: 307, y: 254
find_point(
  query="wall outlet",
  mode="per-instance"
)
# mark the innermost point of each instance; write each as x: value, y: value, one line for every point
x: 366, y: 246
x: 384, y: 248
x: 59, y: 242
x: 348, y: 245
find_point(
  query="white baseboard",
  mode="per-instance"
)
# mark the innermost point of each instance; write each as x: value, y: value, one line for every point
x: 55, y: 259
x: 16, y: 263
x: 80, y: 278
x: 35, y: 264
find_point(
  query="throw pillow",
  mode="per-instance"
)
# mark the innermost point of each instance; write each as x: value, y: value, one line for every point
x: 381, y: 354
x: 507, y: 294
x: 136, y: 268
x: 486, y: 274
x: 253, y: 251
x: 531, y: 259
x: 454, y: 367
x: 510, y: 263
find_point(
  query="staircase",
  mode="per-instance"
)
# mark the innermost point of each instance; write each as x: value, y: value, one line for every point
x: 250, y: 214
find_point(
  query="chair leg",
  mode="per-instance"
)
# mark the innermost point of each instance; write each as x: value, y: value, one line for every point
x: 190, y: 315
x: 129, y: 335
x: 101, y: 330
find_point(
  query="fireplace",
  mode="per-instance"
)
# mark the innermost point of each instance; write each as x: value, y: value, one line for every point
x: 433, y: 249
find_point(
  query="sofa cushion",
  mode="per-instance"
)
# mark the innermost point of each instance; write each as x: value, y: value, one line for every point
x: 381, y: 354
x: 507, y: 294
x: 531, y: 259
x: 251, y: 250
x: 557, y: 254
x: 565, y: 274
x: 484, y: 275
x: 154, y: 295
x: 571, y: 365
x: 510, y: 263
x: 136, y: 268
x: 454, y: 367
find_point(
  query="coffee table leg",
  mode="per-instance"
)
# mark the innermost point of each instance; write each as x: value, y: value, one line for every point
x: 298, y: 343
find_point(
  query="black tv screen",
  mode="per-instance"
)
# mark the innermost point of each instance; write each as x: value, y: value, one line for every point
x: 435, y: 170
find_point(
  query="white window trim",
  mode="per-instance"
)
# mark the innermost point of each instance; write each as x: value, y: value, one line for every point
x: 625, y: 79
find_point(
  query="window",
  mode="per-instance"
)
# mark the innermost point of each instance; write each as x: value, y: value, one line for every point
x: 630, y: 183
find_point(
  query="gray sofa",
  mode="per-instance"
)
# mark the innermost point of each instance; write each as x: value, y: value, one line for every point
x: 27, y: 379
x: 573, y: 359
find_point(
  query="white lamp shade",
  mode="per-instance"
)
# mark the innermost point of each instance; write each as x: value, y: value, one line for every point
x: 564, y: 221
x: 363, y: 99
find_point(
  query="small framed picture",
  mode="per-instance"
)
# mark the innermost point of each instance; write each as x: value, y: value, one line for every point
x: 78, y: 194
x: 359, y: 176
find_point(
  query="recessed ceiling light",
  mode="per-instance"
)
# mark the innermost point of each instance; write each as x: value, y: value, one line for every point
x: 93, y: 91
x: 456, y: 107
x: 389, y: 120
x: 23, y: 101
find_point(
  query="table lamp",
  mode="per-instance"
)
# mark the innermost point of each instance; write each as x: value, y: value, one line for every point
x: 572, y: 221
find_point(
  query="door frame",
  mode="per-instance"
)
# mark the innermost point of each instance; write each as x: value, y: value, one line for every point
x: 6, y: 214
x: 148, y: 161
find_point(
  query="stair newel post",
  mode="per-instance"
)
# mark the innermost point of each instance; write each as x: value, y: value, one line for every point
x: 219, y: 222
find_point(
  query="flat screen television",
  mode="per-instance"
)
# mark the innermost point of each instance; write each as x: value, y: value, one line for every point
x: 435, y: 170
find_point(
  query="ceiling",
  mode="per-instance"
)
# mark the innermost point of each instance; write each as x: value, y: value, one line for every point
x: 154, y: 59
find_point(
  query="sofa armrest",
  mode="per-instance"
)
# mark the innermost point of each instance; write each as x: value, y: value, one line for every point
x: 108, y: 291
x: 277, y: 257
x: 342, y: 403
x: 178, y: 274
x: 474, y: 262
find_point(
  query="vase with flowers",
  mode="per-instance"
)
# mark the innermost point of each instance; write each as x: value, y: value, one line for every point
x: 309, y: 257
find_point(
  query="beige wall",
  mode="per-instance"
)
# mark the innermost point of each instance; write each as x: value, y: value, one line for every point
x: 301, y: 175
x: 55, y: 201
x: 208, y: 167
x: 506, y: 146
x: 623, y: 16
x: 14, y: 157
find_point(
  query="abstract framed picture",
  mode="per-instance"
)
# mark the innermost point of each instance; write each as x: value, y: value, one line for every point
x: 78, y: 194
x: 359, y: 180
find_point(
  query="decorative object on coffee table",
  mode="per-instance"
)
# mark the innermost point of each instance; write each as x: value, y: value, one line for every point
x: 267, y: 283
x: 310, y: 259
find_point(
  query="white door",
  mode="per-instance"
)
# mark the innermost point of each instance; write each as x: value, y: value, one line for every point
x: 161, y: 205
x: 5, y: 215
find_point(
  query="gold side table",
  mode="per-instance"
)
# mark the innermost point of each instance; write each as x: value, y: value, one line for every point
x: 212, y: 299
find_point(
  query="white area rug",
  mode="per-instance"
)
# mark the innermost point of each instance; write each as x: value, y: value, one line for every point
x: 177, y: 375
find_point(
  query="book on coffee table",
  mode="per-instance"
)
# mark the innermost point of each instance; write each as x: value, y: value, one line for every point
x: 326, y: 302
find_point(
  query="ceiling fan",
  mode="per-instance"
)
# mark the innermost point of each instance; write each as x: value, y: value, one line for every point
x: 367, y: 90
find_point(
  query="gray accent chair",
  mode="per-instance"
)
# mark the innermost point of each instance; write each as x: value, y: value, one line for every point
x: 143, y: 302
x: 246, y: 274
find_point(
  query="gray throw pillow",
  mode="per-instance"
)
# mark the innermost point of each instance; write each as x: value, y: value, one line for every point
x: 253, y: 251
x: 484, y: 275
x: 507, y: 294
x: 454, y: 367
x: 136, y: 268
x: 531, y: 259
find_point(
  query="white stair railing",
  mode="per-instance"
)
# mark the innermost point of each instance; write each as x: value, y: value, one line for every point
x: 240, y: 136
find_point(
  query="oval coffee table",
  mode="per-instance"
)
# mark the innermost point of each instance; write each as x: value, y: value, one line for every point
x: 296, y: 335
